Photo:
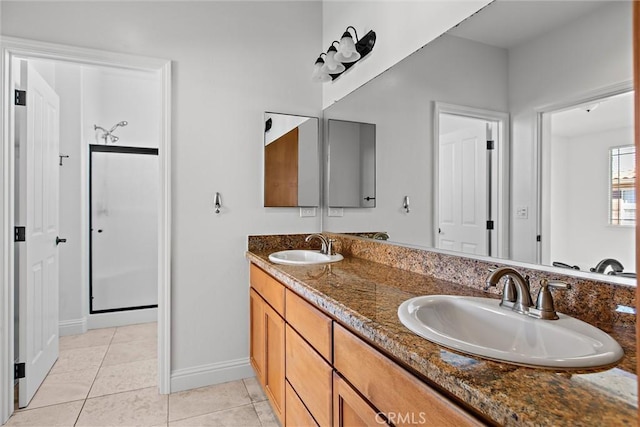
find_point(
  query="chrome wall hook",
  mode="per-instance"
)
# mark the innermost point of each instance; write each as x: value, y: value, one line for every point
x: 405, y: 204
x: 217, y: 202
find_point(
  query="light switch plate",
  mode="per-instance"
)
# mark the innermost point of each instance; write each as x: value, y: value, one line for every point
x: 336, y: 211
x: 306, y: 212
x: 522, y: 212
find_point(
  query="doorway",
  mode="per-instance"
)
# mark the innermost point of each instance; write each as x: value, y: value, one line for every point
x: 14, y: 50
x: 587, y: 180
x: 470, y: 176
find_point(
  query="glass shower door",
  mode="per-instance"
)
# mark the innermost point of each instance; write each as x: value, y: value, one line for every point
x: 123, y: 228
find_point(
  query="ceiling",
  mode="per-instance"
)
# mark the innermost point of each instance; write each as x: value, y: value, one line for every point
x: 611, y: 113
x: 513, y: 22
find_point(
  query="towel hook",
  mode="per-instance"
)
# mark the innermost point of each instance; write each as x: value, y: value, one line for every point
x: 405, y: 204
x: 217, y: 202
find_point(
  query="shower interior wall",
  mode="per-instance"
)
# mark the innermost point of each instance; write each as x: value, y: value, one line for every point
x: 88, y: 96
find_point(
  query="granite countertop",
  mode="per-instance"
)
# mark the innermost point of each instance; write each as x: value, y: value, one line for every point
x: 364, y: 296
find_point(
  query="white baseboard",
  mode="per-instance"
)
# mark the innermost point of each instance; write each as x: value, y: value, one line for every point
x: 215, y: 373
x: 72, y: 327
x: 122, y: 318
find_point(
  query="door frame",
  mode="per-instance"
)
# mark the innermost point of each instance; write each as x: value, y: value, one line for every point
x: 13, y: 49
x: 542, y: 140
x: 502, y: 169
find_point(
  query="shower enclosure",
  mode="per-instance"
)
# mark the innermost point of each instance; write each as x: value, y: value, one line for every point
x: 123, y: 257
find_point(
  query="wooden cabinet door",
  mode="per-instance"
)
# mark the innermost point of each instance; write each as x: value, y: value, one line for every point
x: 274, y: 331
x: 350, y: 409
x: 256, y: 333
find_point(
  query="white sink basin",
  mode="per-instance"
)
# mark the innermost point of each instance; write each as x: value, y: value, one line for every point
x: 303, y: 257
x: 479, y: 326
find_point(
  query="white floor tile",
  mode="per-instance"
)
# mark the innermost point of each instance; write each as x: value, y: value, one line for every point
x: 141, y: 331
x: 82, y: 358
x: 242, y: 416
x: 91, y: 338
x: 131, y: 351
x: 134, y: 408
x: 64, y: 414
x: 204, y: 400
x: 125, y: 377
x: 63, y: 387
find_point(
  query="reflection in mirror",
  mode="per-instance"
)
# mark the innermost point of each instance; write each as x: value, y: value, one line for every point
x: 526, y: 59
x: 291, y: 161
x: 589, y: 182
x: 352, y: 164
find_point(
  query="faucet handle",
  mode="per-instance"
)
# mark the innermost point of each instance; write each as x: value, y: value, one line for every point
x: 544, y: 304
x: 330, y: 243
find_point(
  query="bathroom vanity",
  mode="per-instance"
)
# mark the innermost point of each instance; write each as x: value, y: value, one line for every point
x: 328, y: 348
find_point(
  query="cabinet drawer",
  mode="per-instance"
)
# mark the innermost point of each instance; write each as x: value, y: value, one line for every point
x: 351, y: 410
x: 297, y: 414
x: 396, y: 393
x: 310, y: 376
x: 310, y: 323
x: 268, y: 287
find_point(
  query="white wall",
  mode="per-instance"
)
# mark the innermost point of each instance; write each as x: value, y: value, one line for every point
x: 111, y: 96
x: 400, y: 104
x: 402, y: 27
x: 73, y: 282
x: 560, y: 66
x: 217, y: 137
x: 580, y: 231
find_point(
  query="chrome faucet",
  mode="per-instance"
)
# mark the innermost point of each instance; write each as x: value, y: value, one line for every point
x: 381, y: 235
x: 615, y: 265
x: 517, y: 294
x: 327, y: 244
x: 522, y: 301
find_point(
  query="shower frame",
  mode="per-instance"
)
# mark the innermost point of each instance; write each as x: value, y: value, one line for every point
x: 109, y: 149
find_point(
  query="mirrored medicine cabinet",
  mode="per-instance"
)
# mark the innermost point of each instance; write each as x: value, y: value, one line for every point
x: 291, y: 161
x: 351, y: 151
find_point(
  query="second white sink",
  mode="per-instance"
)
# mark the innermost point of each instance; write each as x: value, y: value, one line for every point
x: 479, y: 326
x: 303, y: 257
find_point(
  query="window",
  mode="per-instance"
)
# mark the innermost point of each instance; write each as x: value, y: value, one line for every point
x: 622, y: 208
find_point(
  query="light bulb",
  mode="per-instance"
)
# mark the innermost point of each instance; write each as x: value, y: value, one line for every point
x: 318, y: 75
x: 331, y: 66
x: 347, y: 49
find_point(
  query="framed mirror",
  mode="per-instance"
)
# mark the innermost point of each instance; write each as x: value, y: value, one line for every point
x: 352, y: 164
x: 291, y: 161
x: 521, y: 63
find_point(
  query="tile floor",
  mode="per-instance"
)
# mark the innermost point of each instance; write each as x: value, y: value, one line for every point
x: 107, y: 377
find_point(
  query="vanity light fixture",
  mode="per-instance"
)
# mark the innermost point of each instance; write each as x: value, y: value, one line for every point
x: 338, y: 60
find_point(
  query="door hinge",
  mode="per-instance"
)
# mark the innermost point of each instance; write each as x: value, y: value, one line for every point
x: 489, y: 225
x: 20, y: 234
x: 538, y: 238
x: 19, y: 371
x: 490, y: 145
x: 20, y: 97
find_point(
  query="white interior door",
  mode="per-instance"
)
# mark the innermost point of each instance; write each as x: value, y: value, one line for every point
x: 37, y: 257
x: 463, y: 182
